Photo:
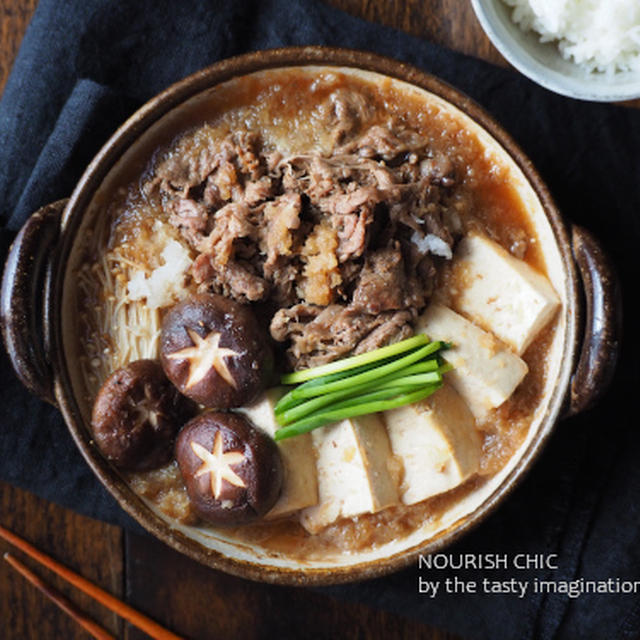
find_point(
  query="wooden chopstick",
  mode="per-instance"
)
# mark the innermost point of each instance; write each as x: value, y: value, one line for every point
x: 53, y: 594
x: 136, y: 618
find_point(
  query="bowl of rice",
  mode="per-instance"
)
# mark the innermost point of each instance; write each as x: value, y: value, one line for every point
x: 585, y: 49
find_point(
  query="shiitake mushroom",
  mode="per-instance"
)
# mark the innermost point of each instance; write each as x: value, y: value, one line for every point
x: 213, y: 349
x: 136, y: 416
x: 232, y: 471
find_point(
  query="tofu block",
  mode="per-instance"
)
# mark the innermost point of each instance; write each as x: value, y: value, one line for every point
x: 354, y: 475
x: 300, y: 486
x: 437, y: 442
x: 502, y: 294
x: 486, y: 372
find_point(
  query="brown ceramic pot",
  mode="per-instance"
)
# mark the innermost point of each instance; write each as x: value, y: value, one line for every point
x: 33, y: 320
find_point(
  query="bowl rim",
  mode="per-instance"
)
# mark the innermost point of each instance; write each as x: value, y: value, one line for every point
x: 519, y: 57
x: 106, y: 158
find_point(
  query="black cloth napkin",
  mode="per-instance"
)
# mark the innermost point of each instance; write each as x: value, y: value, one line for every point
x: 87, y: 64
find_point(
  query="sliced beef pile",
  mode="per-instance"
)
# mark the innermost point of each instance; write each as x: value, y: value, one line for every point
x: 321, y: 334
x: 343, y: 246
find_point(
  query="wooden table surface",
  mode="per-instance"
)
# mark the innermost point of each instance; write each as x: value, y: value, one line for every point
x: 186, y: 597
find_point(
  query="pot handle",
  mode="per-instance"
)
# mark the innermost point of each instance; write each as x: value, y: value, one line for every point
x: 602, y: 331
x: 23, y: 295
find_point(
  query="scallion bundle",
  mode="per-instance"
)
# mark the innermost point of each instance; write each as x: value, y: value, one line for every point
x: 383, y: 379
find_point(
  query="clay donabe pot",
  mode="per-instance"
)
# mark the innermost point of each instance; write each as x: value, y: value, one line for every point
x: 35, y: 319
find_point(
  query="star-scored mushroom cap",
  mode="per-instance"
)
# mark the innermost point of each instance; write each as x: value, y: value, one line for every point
x: 232, y: 471
x: 214, y: 351
x: 137, y: 415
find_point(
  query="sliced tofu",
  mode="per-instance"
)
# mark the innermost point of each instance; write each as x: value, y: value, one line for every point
x: 437, y: 442
x: 300, y: 486
x: 486, y: 372
x: 354, y: 472
x: 502, y: 294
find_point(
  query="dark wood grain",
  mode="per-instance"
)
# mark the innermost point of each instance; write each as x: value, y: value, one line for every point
x: 14, y: 18
x: 91, y: 548
x: 200, y: 603
x: 451, y: 23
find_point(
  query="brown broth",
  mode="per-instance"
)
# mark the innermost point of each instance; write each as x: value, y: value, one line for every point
x: 286, y: 107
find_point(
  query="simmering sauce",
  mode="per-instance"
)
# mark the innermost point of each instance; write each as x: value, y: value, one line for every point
x: 291, y: 110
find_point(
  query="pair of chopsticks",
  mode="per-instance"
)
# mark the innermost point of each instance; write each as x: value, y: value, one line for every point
x: 112, y: 603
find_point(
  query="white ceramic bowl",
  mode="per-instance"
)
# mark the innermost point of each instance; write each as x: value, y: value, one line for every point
x: 543, y: 63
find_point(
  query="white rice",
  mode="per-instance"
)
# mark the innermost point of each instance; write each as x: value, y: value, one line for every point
x: 599, y: 35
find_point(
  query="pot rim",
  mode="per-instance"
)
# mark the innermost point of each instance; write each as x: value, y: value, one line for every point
x: 103, y: 162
